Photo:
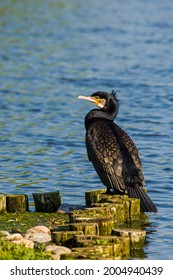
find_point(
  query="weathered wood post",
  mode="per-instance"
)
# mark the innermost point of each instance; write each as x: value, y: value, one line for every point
x: 17, y: 203
x: 2, y: 203
x: 48, y: 202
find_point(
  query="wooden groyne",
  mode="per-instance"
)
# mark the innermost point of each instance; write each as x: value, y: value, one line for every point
x: 108, y: 227
x: 47, y: 202
x: 104, y: 229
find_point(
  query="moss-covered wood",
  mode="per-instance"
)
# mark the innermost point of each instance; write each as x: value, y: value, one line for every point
x: 2, y: 203
x: 137, y: 240
x: 113, y: 248
x: 127, y: 209
x: 86, y: 228
x: 85, y: 255
x: 109, y: 228
x: 48, y: 202
x: 17, y: 203
x: 64, y: 237
x: 93, y: 196
x: 120, y: 245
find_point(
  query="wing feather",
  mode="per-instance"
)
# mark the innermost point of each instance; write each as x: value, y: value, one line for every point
x: 131, y: 147
x: 103, y: 150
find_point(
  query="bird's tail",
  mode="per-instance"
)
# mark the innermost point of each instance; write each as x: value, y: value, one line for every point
x: 146, y: 203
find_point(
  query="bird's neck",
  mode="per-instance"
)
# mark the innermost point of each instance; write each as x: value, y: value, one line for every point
x: 98, y: 114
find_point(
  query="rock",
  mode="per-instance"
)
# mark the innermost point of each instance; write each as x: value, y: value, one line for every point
x: 14, y: 237
x: 67, y: 208
x: 4, y: 232
x: 28, y: 243
x: 40, y: 234
x: 38, y: 237
x: 57, y: 250
x: 38, y: 229
x: 50, y: 247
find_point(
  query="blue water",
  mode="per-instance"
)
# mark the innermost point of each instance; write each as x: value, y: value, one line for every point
x: 52, y: 51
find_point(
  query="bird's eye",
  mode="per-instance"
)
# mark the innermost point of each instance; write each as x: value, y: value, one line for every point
x: 97, y: 97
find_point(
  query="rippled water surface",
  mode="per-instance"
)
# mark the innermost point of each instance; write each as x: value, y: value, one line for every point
x: 52, y: 51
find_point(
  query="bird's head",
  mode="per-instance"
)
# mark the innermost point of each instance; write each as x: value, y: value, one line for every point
x: 105, y: 101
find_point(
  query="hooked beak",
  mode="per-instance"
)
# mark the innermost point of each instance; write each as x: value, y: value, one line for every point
x: 100, y: 102
x: 88, y: 98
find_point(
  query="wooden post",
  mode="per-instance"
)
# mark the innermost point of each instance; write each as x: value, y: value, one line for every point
x: 87, y: 228
x: 137, y: 236
x: 47, y: 202
x: 17, y: 203
x: 93, y: 196
x: 2, y: 203
x: 64, y: 237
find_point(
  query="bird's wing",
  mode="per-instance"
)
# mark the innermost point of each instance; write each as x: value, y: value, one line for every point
x: 103, y: 151
x: 131, y: 147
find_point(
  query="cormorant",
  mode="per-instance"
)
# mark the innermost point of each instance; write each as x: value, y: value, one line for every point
x: 112, y: 152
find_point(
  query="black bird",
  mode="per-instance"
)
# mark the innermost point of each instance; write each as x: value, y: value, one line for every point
x: 112, y: 152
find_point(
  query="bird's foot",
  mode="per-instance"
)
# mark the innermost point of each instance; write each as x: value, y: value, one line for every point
x: 108, y: 191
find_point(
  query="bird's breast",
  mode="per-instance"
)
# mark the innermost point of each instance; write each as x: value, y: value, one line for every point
x: 101, y: 140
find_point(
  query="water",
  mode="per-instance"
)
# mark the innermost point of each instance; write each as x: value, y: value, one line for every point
x: 52, y: 51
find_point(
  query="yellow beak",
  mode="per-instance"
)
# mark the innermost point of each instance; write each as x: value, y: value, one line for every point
x: 88, y: 98
x: 100, y: 102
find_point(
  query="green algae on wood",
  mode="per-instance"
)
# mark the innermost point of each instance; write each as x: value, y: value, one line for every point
x: 106, y: 250
x: 17, y: 203
x: 91, y: 213
x: 134, y: 208
x: 93, y: 196
x: 64, y: 237
x: 96, y: 224
x: 86, y: 228
x: 131, y: 206
x: 137, y: 237
x: 84, y: 240
x: 97, y: 249
x: 2, y: 203
x: 47, y: 202
x: 127, y: 209
x: 120, y: 245
x: 105, y: 225
x: 87, y: 256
